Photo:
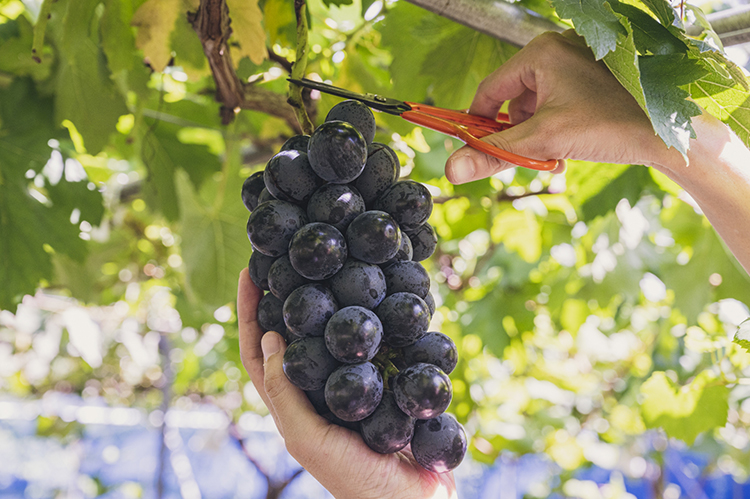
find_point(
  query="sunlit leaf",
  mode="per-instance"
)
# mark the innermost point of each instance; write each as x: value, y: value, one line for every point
x: 687, y: 411
x: 248, y: 29
x: 155, y: 21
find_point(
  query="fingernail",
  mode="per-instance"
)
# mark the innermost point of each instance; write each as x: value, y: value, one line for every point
x: 270, y: 345
x: 462, y: 169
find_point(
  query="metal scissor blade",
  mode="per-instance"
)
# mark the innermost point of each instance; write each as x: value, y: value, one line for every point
x: 374, y: 101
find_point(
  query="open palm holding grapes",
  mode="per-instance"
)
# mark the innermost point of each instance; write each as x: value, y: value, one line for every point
x: 359, y: 394
x: 337, y: 239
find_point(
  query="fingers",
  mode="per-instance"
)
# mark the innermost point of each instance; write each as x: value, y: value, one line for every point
x: 248, y: 296
x: 524, y: 139
x: 294, y: 415
x: 507, y: 82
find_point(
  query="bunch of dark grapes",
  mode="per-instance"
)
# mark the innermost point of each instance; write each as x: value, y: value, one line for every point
x: 337, y: 239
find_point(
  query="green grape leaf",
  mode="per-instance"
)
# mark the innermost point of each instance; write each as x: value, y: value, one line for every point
x: 125, y: 62
x: 712, y: 272
x: 667, y: 15
x: 118, y: 41
x: 629, y: 185
x: 26, y: 226
x: 410, y: 32
x: 155, y: 20
x: 721, y: 64
x: 742, y: 335
x: 68, y: 196
x: 459, y: 62
x: 195, y: 159
x: 650, y: 37
x: 518, y: 231
x: 452, y: 59
x: 585, y: 180
x: 595, y: 21
x: 214, y: 239
x: 15, y: 53
x: 595, y: 189
x: 670, y: 112
x: 85, y: 94
x: 623, y: 63
x: 485, y: 317
x: 728, y: 102
x: 27, y: 126
x: 187, y: 48
x: 248, y: 29
x: 281, y: 24
x: 684, y: 412
x: 163, y: 153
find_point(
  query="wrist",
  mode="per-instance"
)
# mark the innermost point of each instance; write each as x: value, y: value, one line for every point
x: 714, y: 149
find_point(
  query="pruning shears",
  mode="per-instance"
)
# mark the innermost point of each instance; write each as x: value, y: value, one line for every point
x: 459, y: 124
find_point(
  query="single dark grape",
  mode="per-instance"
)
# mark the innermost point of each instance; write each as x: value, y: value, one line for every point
x: 270, y: 313
x: 405, y: 318
x: 407, y: 276
x: 308, y: 308
x: 388, y: 429
x: 433, y: 348
x: 353, y: 391
x: 289, y: 177
x: 317, y: 251
x: 357, y: 114
x: 353, y: 334
x: 318, y: 400
x: 404, y: 252
x: 297, y: 143
x: 335, y: 204
x: 409, y: 202
x: 272, y: 224
x: 422, y: 390
x: 337, y: 152
x: 358, y: 283
x: 439, y: 444
x: 381, y: 171
x: 308, y: 364
x: 283, y: 279
x: 258, y: 267
x: 423, y: 241
x: 373, y: 237
x: 430, y: 301
x: 288, y: 336
x: 251, y: 189
x: 265, y: 196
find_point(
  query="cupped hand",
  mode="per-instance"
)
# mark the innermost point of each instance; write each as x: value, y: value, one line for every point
x: 337, y: 457
x: 564, y: 104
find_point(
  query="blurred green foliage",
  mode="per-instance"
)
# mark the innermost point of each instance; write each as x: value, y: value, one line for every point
x: 587, y: 307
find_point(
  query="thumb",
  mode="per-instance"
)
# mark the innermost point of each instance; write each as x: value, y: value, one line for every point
x: 524, y: 139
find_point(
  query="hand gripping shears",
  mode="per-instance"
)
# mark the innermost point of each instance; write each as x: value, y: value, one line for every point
x: 461, y: 125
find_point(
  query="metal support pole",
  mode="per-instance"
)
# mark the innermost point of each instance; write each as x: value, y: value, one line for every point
x: 495, y: 18
x: 518, y: 26
x: 732, y: 25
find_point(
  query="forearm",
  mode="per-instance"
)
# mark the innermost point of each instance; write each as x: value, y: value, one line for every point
x: 718, y: 178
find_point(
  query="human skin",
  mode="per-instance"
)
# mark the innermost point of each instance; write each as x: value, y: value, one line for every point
x: 564, y: 104
x: 337, y: 457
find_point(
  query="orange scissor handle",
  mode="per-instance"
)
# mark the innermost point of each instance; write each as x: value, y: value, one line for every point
x: 470, y: 128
